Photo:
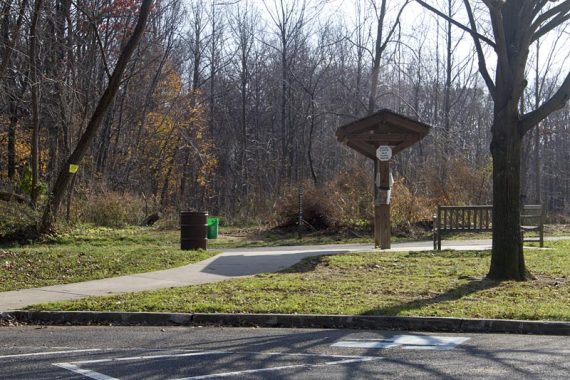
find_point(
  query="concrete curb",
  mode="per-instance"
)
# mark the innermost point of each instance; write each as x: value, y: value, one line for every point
x: 87, y: 318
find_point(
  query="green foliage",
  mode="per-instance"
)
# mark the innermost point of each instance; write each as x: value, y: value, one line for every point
x: 15, y: 218
x: 25, y: 183
x: 388, y: 283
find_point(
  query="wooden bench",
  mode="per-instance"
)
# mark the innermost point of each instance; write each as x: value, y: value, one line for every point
x: 480, y: 219
x: 532, y: 220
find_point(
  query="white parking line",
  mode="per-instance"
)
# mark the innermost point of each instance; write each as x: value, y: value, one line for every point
x: 406, y: 342
x: 73, y: 366
x: 343, y: 359
x: 249, y: 371
x: 146, y: 357
x: 85, y: 372
x: 364, y: 344
x: 48, y: 353
x: 198, y: 353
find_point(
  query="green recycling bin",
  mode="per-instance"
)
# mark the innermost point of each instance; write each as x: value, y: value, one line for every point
x: 213, y: 223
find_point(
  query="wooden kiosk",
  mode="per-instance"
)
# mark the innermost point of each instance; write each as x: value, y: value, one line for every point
x: 381, y: 136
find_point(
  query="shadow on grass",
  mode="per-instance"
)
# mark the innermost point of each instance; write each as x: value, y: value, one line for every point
x: 306, y: 265
x: 457, y: 293
x: 24, y: 235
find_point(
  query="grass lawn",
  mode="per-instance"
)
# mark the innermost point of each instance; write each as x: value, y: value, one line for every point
x: 414, y: 284
x: 89, y: 253
x: 235, y: 237
x: 550, y: 230
x: 231, y: 237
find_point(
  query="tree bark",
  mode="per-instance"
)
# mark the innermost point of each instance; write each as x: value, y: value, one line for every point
x: 35, y: 105
x: 507, y: 260
x: 12, y: 140
x: 64, y: 177
x: 379, y: 48
x: 537, y: 198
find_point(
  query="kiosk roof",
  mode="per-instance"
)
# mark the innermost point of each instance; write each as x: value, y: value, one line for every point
x: 384, y: 127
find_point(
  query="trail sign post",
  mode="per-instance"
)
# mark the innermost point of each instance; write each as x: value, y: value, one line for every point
x: 381, y: 136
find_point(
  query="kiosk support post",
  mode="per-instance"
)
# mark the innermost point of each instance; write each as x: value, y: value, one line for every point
x: 382, y: 204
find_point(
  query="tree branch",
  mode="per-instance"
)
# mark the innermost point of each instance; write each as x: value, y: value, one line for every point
x: 556, y: 102
x: 539, y: 4
x: 473, y: 33
x: 394, y: 26
x: 560, y: 9
x: 500, y: 37
x: 103, y: 58
x: 480, y: 55
x: 93, y: 23
x: 557, y: 21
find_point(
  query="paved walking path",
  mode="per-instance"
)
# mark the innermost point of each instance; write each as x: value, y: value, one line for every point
x: 231, y: 263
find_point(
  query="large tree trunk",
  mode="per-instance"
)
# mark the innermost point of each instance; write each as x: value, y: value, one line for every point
x: 65, y: 175
x: 507, y: 260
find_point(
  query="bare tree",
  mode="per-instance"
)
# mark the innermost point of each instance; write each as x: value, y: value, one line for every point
x: 383, y: 37
x: 65, y: 173
x: 35, y: 102
x: 289, y: 19
x: 243, y: 27
x: 10, y: 36
x: 516, y: 25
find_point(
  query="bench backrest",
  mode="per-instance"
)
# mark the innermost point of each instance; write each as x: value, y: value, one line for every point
x: 480, y: 218
x: 465, y: 218
x: 532, y: 215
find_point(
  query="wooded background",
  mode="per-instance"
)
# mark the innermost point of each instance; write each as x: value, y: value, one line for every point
x: 232, y: 106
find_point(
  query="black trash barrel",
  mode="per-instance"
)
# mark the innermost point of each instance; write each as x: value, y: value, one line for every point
x: 193, y: 230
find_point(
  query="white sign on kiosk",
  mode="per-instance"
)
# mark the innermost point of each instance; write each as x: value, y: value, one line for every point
x: 384, y: 153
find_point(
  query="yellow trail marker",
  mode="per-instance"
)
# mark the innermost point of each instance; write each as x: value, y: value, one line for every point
x: 73, y: 168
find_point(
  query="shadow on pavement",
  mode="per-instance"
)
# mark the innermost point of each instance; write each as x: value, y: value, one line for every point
x: 247, y: 265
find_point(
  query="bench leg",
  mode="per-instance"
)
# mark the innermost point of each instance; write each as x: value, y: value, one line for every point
x: 541, y: 237
x: 439, y: 241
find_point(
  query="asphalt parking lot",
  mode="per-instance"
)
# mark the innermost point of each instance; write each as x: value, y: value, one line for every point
x: 106, y: 353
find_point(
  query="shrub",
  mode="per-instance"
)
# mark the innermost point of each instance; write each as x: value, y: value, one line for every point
x: 343, y: 201
x: 409, y: 206
x: 111, y: 209
x: 456, y: 182
x: 346, y: 200
x: 17, y: 222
